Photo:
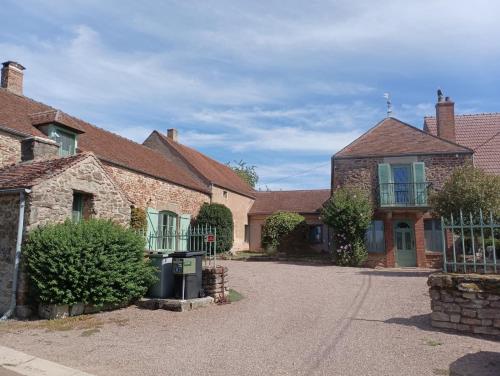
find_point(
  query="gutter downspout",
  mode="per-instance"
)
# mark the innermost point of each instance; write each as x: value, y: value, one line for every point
x: 20, y: 229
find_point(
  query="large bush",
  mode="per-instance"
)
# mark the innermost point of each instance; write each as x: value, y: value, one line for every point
x: 469, y: 189
x: 93, y: 262
x: 220, y: 217
x: 349, y: 213
x: 285, y: 232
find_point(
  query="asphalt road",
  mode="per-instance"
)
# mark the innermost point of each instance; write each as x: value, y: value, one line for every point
x: 294, y: 320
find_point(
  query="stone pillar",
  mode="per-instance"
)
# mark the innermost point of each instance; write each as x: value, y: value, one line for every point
x: 390, y: 259
x: 420, y: 240
x: 215, y: 283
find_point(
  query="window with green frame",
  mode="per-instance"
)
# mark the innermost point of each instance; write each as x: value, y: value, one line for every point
x: 433, y: 235
x: 374, y: 237
x: 65, y: 139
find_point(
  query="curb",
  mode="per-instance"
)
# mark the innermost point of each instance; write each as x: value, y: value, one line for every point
x: 28, y: 365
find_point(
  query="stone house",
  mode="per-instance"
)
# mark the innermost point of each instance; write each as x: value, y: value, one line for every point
x: 51, y: 189
x: 399, y: 165
x: 308, y: 203
x: 225, y: 186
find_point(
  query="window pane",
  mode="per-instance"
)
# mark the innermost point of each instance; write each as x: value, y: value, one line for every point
x: 374, y: 237
x: 77, y: 212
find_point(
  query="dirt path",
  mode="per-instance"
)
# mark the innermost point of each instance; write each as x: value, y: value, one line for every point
x: 294, y: 320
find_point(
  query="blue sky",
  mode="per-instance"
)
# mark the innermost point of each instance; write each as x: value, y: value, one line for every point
x: 282, y: 85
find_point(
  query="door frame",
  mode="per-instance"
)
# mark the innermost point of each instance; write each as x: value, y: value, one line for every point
x: 413, y: 240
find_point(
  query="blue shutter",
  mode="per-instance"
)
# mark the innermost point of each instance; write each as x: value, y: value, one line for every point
x: 184, y: 223
x: 420, y: 183
x: 385, y: 189
x: 152, y: 231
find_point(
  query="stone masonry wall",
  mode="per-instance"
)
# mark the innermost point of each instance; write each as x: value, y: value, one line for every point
x: 465, y: 302
x: 51, y: 201
x: 144, y: 192
x: 363, y: 172
x: 239, y: 206
x: 9, y: 212
x: 10, y: 149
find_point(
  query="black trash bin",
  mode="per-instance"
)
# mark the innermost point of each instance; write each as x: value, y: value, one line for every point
x: 187, y: 270
x: 164, y: 287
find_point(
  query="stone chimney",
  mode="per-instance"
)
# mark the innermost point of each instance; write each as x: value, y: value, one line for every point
x: 172, y: 134
x: 445, y: 117
x: 37, y: 149
x: 12, y: 77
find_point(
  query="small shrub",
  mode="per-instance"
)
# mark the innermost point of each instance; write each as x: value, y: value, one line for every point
x: 349, y: 213
x: 285, y: 232
x: 220, y: 217
x: 94, y: 262
x: 138, y: 219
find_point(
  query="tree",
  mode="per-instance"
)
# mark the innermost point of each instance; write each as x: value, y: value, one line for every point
x: 468, y: 189
x: 349, y: 213
x: 246, y: 172
x: 220, y: 217
x: 285, y: 232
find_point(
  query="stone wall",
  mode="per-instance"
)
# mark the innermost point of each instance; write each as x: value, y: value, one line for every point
x: 363, y: 172
x: 36, y: 148
x: 239, y: 206
x: 144, y: 191
x: 465, y: 302
x: 51, y: 201
x: 216, y: 283
x: 9, y: 209
x: 10, y: 149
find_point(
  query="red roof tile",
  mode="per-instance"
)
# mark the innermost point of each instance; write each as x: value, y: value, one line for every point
x: 481, y: 133
x: 392, y: 137
x: 28, y: 174
x: 15, y: 112
x: 213, y: 171
x: 55, y: 116
x: 303, y: 201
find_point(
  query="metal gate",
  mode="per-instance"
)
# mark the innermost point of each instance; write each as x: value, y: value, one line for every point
x: 471, y: 243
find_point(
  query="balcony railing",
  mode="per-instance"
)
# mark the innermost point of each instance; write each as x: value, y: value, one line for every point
x: 403, y: 194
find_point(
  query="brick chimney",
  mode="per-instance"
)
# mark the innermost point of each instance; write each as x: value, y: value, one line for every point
x: 12, y: 77
x: 172, y: 134
x: 445, y: 117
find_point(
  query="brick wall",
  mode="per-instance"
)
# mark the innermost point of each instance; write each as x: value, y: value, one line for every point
x: 239, y: 206
x: 10, y: 149
x: 144, y: 191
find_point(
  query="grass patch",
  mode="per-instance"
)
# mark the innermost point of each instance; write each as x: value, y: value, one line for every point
x: 234, y: 296
x: 90, y: 332
x: 433, y: 343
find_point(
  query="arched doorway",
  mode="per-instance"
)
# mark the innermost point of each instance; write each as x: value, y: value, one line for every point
x: 404, y: 241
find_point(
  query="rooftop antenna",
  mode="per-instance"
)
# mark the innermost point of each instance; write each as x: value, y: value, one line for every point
x: 387, y: 96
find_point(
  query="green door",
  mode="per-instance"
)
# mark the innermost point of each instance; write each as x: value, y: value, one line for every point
x: 404, y: 239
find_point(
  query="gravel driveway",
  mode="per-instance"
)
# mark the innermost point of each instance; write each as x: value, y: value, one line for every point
x: 294, y: 320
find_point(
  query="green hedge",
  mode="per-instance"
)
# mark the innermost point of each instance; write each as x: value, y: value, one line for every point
x: 285, y: 232
x: 220, y: 217
x: 94, y: 262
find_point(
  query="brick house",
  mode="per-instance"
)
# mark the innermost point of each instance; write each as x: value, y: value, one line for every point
x: 308, y: 203
x: 398, y: 165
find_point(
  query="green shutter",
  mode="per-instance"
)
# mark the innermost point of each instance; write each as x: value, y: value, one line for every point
x: 384, y: 178
x: 152, y: 231
x: 184, y: 223
x: 420, y: 183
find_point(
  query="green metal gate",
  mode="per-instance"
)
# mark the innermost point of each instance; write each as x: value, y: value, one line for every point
x: 471, y: 243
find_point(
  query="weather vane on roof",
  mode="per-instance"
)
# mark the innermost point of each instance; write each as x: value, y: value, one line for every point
x: 387, y: 96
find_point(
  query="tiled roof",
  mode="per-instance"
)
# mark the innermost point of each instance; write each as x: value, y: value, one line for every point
x: 28, y: 174
x: 393, y: 137
x: 481, y: 133
x: 16, y: 113
x: 213, y: 171
x: 304, y: 201
x: 55, y: 116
